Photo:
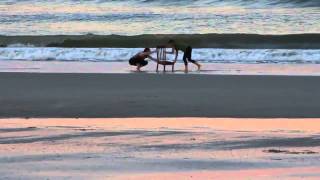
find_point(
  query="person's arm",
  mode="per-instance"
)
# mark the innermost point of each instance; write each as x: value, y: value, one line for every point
x: 172, y: 51
x: 152, y: 58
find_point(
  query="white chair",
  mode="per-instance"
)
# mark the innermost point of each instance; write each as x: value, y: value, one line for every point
x: 162, y: 59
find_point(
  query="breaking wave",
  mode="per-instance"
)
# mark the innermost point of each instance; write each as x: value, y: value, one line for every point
x: 246, y: 56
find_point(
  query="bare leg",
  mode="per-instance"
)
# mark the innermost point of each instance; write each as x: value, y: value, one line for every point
x: 139, y: 67
x: 186, y: 70
x: 185, y: 64
x: 195, y: 63
x: 198, y: 65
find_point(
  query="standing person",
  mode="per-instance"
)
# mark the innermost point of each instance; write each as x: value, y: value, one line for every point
x: 139, y: 59
x: 187, y: 56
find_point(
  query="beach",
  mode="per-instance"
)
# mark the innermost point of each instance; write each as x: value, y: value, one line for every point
x: 159, y: 148
x: 96, y: 120
x: 76, y: 95
x: 73, y: 107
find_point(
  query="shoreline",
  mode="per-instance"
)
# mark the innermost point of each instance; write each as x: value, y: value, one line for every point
x: 69, y: 67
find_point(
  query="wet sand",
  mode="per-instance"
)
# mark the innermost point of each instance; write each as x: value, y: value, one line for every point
x: 124, y: 68
x: 160, y: 148
x: 158, y: 95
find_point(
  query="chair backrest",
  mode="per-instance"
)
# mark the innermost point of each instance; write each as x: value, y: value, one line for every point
x: 161, y: 54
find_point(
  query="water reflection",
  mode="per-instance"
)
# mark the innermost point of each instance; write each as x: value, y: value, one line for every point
x: 128, y: 19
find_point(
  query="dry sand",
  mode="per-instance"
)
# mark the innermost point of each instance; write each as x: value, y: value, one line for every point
x: 157, y: 95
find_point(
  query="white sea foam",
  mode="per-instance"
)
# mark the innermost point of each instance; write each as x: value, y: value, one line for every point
x: 251, y: 56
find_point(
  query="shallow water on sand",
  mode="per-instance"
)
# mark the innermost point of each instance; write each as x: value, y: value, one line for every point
x: 160, y: 148
x: 124, y: 67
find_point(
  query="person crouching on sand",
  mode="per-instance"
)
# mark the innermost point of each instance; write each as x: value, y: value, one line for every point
x: 186, y: 49
x: 139, y: 59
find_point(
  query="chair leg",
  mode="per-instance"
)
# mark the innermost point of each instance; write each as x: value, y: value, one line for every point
x: 164, y: 68
x: 172, y: 68
x: 157, y: 67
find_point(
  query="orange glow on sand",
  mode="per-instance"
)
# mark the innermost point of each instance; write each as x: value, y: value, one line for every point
x: 205, y: 145
x: 261, y: 174
x: 232, y: 124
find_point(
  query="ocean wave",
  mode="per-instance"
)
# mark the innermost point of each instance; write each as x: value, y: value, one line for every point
x: 228, y: 41
x: 244, y: 56
x: 133, y: 17
x: 244, y: 3
x: 62, y: 17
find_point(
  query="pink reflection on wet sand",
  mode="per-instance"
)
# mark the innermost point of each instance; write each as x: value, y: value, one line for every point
x: 257, y: 174
x: 194, y: 124
x: 193, y: 134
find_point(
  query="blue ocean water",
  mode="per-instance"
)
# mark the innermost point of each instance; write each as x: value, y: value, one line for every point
x: 132, y: 17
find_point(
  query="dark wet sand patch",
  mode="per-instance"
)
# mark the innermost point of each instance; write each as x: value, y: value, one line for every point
x: 84, y: 134
x: 277, y: 151
x: 4, y: 130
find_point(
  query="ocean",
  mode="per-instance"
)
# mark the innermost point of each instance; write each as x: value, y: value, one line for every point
x: 221, y: 31
x: 133, y: 17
